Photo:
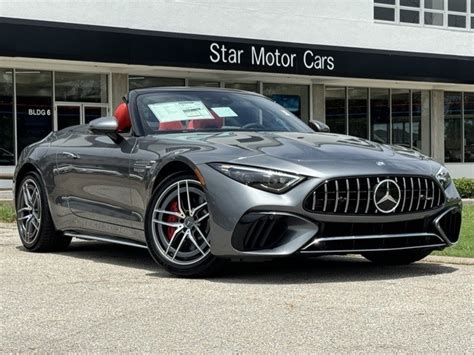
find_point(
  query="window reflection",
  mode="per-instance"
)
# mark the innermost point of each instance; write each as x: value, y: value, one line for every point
x: 80, y: 87
x: 295, y: 98
x: 358, y: 113
x: 7, y: 143
x: 34, y: 100
x: 452, y: 127
x: 469, y: 127
x: 401, y: 131
x: 242, y: 86
x: 421, y: 120
x: 379, y: 115
x: 336, y: 109
x: 141, y: 82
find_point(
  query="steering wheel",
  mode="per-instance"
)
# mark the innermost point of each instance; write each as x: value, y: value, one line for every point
x: 252, y: 125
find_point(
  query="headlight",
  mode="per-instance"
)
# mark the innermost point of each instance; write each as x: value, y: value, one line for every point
x: 267, y: 180
x: 443, y: 177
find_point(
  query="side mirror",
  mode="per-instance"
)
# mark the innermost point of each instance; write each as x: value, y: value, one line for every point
x: 104, y: 125
x: 319, y: 126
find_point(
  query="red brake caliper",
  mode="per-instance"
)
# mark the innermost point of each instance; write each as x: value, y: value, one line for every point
x: 173, y: 207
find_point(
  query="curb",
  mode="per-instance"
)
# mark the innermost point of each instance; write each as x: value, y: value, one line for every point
x: 448, y: 260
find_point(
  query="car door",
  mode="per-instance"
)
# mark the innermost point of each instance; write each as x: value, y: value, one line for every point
x: 94, y: 176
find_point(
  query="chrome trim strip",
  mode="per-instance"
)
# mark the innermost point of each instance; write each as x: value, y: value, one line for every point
x: 314, y: 200
x: 337, y: 196
x: 440, y: 230
x: 404, y: 194
x: 419, y: 195
x: 432, y: 197
x: 350, y: 251
x: 382, y: 236
x: 412, y: 194
x: 106, y: 239
x: 427, y: 193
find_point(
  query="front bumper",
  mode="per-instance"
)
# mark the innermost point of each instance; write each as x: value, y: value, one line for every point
x: 248, y: 222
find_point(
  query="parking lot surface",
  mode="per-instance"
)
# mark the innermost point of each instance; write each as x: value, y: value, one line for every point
x: 99, y: 297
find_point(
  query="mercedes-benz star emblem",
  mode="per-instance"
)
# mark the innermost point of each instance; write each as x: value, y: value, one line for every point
x: 387, y: 196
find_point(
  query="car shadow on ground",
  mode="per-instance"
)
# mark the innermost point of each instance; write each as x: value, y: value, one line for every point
x: 282, y: 271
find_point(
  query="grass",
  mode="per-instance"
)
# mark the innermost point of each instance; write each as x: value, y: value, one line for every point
x: 7, y: 213
x: 465, y: 247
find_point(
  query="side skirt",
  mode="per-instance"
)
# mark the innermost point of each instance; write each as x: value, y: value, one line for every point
x: 101, y: 238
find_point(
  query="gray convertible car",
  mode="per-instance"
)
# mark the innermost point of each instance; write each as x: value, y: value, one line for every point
x: 198, y: 176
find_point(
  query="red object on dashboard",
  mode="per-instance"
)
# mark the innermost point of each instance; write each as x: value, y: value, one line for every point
x: 171, y: 126
x: 123, y: 117
x: 217, y: 122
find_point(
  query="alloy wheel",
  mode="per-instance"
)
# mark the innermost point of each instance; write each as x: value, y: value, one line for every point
x: 180, y: 223
x: 29, y: 211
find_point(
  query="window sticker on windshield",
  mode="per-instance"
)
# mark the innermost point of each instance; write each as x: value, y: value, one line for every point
x: 180, y: 111
x: 224, y: 112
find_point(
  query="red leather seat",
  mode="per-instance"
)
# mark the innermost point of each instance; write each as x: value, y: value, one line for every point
x: 217, y: 122
x: 171, y: 126
x: 123, y: 117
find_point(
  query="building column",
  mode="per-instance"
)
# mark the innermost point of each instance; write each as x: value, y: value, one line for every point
x: 119, y: 88
x: 437, y: 125
x: 319, y: 103
x: 425, y: 122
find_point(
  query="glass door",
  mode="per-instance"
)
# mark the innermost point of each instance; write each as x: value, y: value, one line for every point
x: 71, y: 114
x: 93, y: 112
x: 68, y: 115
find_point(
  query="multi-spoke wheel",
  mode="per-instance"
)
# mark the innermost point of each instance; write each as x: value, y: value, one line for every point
x: 178, y: 227
x: 35, y: 226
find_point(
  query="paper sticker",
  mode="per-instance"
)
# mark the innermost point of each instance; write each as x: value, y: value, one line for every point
x: 180, y: 111
x: 224, y: 111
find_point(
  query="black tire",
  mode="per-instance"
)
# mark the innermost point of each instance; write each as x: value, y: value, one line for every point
x: 207, y: 266
x: 396, y: 257
x: 46, y: 237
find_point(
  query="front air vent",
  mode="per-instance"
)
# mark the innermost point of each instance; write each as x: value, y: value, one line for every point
x: 450, y: 224
x: 355, y: 195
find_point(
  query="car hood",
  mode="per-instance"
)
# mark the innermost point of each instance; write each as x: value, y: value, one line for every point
x: 308, y: 153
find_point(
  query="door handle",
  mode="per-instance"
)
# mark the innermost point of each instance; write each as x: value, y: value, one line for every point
x: 70, y: 155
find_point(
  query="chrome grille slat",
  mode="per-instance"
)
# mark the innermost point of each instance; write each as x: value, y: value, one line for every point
x: 325, y: 196
x: 416, y: 194
x: 347, y: 196
x: 358, y: 196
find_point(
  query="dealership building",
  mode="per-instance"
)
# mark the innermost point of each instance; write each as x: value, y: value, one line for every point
x: 395, y: 71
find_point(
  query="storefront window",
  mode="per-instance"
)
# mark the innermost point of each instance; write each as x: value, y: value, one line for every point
x: 141, y: 82
x: 295, y: 98
x: 34, y: 90
x: 80, y: 87
x: 358, y: 112
x: 469, y: 127
x: 452, y: 126
x: 206, y: 83
x: 7, y: 132
x: 336, y: 109
x: 401, y: 132
x: 242, y: 86
x: 421, y: 120
x: 379, y: 115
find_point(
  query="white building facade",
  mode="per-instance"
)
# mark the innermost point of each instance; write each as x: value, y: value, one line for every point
x: 395, y: 71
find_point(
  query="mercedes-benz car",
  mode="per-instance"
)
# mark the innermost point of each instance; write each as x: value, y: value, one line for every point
x: 198, y: 176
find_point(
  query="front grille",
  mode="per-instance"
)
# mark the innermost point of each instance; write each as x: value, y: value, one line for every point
x: 355, y: 195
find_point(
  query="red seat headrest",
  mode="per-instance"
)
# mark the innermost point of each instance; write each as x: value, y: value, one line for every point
x: 123, y: 117
x: 216, y: 122
x: 171, y: 126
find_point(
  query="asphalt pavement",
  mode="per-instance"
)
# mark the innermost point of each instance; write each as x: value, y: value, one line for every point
x: 99, y: 297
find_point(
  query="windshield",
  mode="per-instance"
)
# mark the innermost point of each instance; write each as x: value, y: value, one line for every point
x: 177, y: 111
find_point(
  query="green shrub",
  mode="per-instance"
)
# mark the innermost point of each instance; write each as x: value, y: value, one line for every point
x: 465, y: 187
x: 7, y: 213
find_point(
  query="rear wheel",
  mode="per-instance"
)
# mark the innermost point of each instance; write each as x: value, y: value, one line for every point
x: 177, y: 227
x: 396, y: 257
x: 35, y: 225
